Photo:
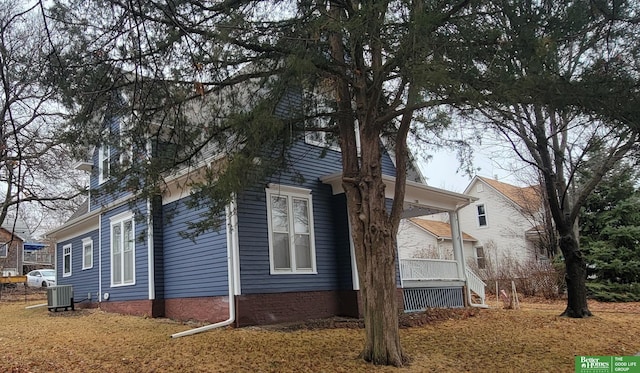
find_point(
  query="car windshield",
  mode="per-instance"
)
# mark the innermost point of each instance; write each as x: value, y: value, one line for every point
x: 48, y: 273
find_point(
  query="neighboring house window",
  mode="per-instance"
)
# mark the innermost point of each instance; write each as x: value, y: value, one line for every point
x: 290, y: 224
x: 66, y: 260
x: 87, y: 253
x: 3, y: 250
x: 480, y: 257
x: 482, y: 216
x: 122, y: 250
x: 104, y: 163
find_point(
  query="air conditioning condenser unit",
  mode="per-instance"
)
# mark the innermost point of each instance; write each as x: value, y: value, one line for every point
x: 60, y: 296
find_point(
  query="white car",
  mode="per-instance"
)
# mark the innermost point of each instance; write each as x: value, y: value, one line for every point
x: 41, y: 278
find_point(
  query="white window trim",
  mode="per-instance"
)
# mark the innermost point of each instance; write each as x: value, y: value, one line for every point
x: 486, y: 217
x: 6, y: 250
x: 120, y: 219
x: 64, y: 254
x: 291, y: 192
x: 85, y: 242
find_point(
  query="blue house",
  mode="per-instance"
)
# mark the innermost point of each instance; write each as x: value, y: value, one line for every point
x: 283, y: 252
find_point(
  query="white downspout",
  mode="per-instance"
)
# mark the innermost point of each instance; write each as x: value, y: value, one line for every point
x: 150, y: 252
x: 231, y: 227
x: 99, y: 258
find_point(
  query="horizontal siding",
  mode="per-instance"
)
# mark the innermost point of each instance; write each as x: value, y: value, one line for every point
x: 84, y: 281
x: 140, y: 290
x: 253, y: 235
x: 192, y: 268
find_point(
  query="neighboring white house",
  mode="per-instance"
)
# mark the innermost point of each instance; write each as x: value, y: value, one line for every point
x: 426, y: 238
x: 505, y: 220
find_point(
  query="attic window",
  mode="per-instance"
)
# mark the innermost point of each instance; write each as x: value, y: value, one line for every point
x: 482, y: 216
x: 479, y: 188
x: 104, y: 163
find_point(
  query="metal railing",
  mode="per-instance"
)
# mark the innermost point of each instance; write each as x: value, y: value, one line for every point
x: 37, y: 257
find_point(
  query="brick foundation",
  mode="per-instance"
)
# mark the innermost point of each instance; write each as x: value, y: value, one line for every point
x: 259, y: 309
x: 209, y: 309
x: 132, y: 307
x: 253, y: 309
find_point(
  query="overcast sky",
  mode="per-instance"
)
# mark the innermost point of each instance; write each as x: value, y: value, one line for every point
x: 442, y: 170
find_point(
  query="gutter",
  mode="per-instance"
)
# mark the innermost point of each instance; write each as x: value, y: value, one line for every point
x: 231, y: 228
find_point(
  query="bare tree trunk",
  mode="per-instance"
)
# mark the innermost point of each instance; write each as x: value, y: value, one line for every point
x: 375, y: 246
x: 374, y: 238
x: 575, y: 276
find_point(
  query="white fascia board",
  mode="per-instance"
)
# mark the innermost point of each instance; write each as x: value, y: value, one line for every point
x: 416, y: 195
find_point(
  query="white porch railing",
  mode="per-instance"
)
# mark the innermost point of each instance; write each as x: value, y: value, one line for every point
x: 428, y: 269
x: 476, y: 285
x: 441, y: 270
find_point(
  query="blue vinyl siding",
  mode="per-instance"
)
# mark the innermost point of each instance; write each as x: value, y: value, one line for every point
x: 140, y: 290
x: 193, y: 269
x: 253, y: 234
x: 83, y: 281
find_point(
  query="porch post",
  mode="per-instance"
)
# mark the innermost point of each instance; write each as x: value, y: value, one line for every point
x: 456, y: 240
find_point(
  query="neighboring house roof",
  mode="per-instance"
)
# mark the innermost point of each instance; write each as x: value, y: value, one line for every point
x: 16, y: 226
x: 527, y: 198
x: 438, y: 229
x: 82, y: 209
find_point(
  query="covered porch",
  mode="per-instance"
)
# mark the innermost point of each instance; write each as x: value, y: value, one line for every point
x: 430, y: 282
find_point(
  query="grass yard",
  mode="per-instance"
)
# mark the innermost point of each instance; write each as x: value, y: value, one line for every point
x: 532, y: 339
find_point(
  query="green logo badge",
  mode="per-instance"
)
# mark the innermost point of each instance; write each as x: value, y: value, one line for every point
x: 607, y: 364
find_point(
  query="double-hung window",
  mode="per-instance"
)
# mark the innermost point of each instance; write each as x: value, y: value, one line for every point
x: 87, y: 253
x: 66, y: 260
x: 122, y: 250
x: 290, y: 223
x: 3, y: 250
x: 482, y: 216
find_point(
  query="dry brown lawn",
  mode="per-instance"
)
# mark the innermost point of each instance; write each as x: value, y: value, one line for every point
x: 531, y: 339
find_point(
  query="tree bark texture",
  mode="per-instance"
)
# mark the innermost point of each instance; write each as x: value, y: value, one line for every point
x: 374, y: 239
x: 575, y: 276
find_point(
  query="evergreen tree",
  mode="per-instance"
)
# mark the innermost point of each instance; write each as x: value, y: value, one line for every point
x: 610, y: 236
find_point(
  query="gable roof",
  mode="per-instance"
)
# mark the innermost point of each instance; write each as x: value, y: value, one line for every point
x: 438, y: 229
x: 527, y: 198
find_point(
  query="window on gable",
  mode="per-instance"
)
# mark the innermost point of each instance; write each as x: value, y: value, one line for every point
x: 104, y: 163
x: 3, y: 250
x: 482, y: 216
x: 480, y: 257
x: 122, y: 251
x: 290, y: 224
x: 87, y: 253
x: 66, y: 260
x: 126, y: 148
